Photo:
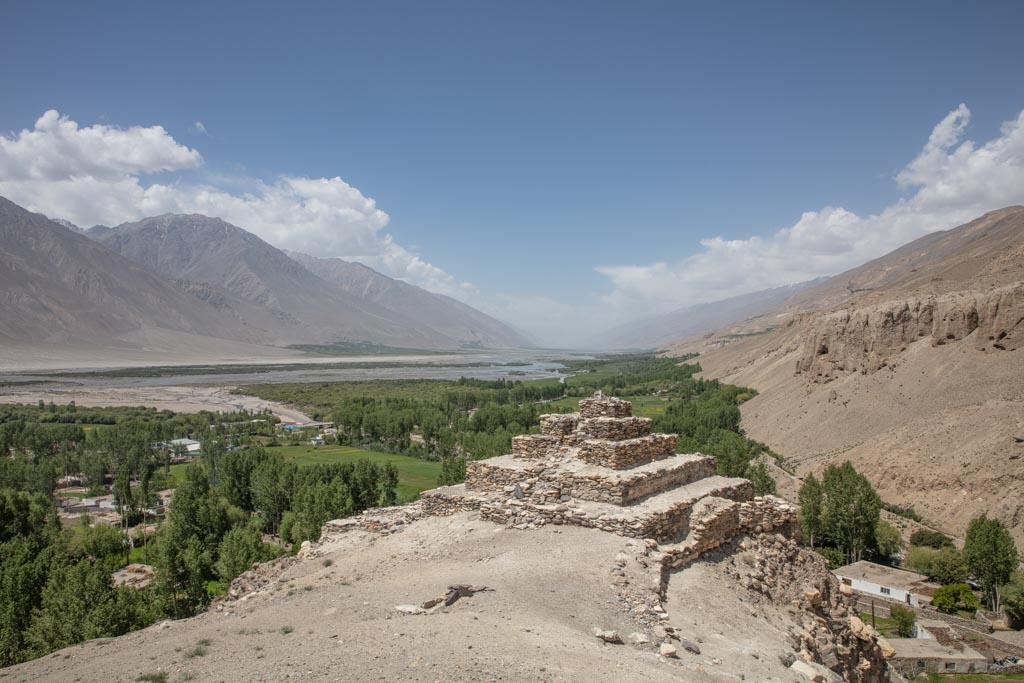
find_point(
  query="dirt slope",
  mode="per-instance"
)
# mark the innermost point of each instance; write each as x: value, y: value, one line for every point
x: 909, y: 366
x: 551, y: 587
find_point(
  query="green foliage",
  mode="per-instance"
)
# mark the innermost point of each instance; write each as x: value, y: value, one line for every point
x: 153, y: 677
x: 812, y: 509
x: 955, y: 597
x: 239, y: 549
x: 453, y: 470
x: 991, y: 556
x: 931, y: 539
x: 78, y: 603
x: 834, y: 556
x: 902, y: 511
x: 103, y: 541
x: 887, y: 540
x: 904, y: 618
x: 945, y: 566
x: 843, y: 510
x: 1013, y: 599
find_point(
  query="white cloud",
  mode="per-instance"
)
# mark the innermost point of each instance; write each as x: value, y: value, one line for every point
x: 96, y: 174
x: 57, y: 149
x: 200, y: 128
x: 951, y: 181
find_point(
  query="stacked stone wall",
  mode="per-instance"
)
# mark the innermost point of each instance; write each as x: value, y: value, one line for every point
x: 534, y: 446
x: 615, y: 429
x: 559, y: 425
x: 601, y: 406
x: 620, y: 455
x: 439, y: 503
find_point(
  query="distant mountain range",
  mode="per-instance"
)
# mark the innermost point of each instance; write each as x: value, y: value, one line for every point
x: 201, y: 276
x: 656, y: 331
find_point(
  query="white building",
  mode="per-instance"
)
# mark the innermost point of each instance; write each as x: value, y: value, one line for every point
x: 190, y: 446
x: 887, y: 582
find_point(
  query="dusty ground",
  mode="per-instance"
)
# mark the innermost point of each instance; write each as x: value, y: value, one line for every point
x: 935, y: 431
x: 184, y: 399
x: 551, y: 587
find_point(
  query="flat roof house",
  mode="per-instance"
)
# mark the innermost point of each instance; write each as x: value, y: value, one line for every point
x: 887, y: 582
x: 925, y: 655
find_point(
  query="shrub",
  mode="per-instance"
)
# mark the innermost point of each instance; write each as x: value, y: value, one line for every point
x: 931, y: 539
x: 836, y: 558
x: 954, y: 598
x: 904, y: 619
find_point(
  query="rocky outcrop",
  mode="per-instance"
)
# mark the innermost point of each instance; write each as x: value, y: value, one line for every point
x: 866, y: 339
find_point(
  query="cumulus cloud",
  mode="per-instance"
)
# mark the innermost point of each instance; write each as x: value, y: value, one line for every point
x: 110, y: 175
x: 950, y: 182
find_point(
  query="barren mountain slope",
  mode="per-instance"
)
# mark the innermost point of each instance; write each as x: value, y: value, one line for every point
x: 60, y: 287
x: 987, y: 252
x: 333, y: 617
x: 426, y: 309
x: 297, y: 305
x: 918, y: 379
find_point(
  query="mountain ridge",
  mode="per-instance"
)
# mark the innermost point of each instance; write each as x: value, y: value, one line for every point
x: 912, y: 360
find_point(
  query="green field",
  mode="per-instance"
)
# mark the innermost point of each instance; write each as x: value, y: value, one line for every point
x: 643, y: 406
x: 414, y: 475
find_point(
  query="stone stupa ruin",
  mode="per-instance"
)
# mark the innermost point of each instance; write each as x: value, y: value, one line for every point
x: 604, y: 468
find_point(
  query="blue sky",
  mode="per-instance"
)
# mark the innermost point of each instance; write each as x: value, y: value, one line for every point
x: 518, y: 147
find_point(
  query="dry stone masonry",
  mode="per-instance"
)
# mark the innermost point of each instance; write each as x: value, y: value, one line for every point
x: 605, y: 469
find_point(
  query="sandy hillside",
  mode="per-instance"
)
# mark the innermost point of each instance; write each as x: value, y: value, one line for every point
x: 934, y: 431
x: 910, y: 366
x: 551, y: 587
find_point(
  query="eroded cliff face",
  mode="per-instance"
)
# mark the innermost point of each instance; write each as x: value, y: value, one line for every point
x: 866, y: 339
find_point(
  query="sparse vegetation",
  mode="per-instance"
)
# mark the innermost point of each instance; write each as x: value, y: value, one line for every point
x: 153, y: 677
x: 285, y: 630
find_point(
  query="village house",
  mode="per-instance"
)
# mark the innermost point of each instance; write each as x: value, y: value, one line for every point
x: 915, y: 656
x: 888, y: 583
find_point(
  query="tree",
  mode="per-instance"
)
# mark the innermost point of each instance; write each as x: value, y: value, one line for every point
x: 887, y: 539
x: 904, y: 619
x: 991, y: 556
x: 1013, y: 599
x: 812, y: 503
x: 852, y: 509
x: 945, y: 566
x: 78, y: 603
x: 954, y: 598
x: 241, y: 547
x: 102, y: 541
x: 453, y: 470
x: 758, y: 475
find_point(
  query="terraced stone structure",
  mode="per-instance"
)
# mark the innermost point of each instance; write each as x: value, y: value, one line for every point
x: 603, y: 468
